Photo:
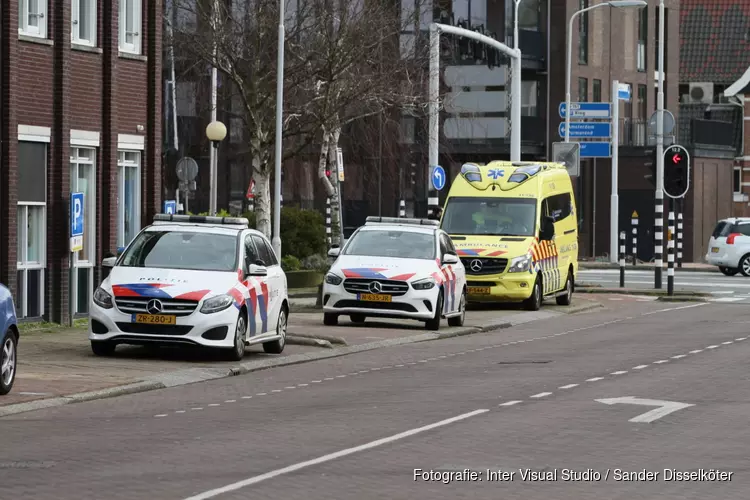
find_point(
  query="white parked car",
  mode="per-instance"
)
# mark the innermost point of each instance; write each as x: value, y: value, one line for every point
x: 192, y: 280
x: 729, y: 246
x: 396, y: 268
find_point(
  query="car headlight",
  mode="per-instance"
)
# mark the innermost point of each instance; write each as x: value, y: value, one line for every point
x: 102, y: 298
x: 333, y: 279
x: 520, y: 264
x: 424, y: 284
x: 216, y: 304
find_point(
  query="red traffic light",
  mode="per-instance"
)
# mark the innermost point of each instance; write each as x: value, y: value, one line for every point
x: 328, y: 173
x: 676, y: 158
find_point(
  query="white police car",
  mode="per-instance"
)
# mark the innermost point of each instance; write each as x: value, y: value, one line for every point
x: 396, y: 268
x: 192, y: 280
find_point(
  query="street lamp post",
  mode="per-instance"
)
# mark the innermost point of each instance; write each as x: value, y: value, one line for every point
x: 276, y: 240
x: 659, y: 194
x: 516, y: 94
x: 614, y: 203
x: 216, y: 132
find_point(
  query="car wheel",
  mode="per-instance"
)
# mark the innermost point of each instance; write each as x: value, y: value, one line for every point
x: 728, y: 271
x: 534, y: 303
x: 237, y: 352
x: 277, y: 346
x: 459, y: 320
x: 745, y: 265
x: 102, y: 348
x: 357, y: 318
x: 330, y: 319
x: 8, y: 362
x: 434, y: 323
x: 565, y: 300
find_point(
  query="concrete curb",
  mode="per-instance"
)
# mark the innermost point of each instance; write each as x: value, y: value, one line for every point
x: 644, y: 267
x: 193, y: 375
x: 681, y: 299
x: 314, y: 342
x: 329, y: 338
x: 637, y: 291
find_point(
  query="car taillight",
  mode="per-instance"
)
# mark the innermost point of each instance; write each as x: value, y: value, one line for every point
x: 731, y: 237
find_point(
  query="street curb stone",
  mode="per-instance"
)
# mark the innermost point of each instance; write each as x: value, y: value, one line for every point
x: 681, y: 299
x: 643, y: 267
x: 638, y: 291
x: 329, y: 338
x: 193, y: 375
x: 292, y: 339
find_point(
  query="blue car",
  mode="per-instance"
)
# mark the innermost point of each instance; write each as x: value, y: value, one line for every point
x: 8, y: 341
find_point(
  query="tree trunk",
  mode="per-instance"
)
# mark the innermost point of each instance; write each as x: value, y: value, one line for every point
x: 262, y: 202
x: 337, y: 229
x: 330, y: 186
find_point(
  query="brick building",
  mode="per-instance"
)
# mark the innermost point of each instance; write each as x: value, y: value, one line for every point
x: 80, y: 111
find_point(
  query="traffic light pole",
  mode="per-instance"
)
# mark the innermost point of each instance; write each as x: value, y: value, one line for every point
x: 434, y: 98
x: 659, y: 195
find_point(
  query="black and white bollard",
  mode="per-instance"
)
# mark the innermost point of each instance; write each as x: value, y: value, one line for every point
x: 670, y: 256
x: 679, y: 240
x: 328, y: 221
x: 634, y: 223
x: 402, y: 209
x: 622, y: 259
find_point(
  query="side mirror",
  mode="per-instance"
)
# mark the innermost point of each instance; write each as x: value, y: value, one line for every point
x: 255, y: 270
x: 548, y: 229
x: 449, y: 258
x: 109, y: 262
x: 334, y: 252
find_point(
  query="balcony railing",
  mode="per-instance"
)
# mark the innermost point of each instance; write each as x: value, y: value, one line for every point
x: 633, y: 132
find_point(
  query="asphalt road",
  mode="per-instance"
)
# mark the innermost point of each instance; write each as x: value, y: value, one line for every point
x: 358, y: 426
x: 728, y: 289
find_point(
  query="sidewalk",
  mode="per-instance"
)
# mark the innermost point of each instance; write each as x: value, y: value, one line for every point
x: 57, y: 366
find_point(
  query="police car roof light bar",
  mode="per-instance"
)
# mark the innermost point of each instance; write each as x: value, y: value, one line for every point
x: 201, y: 219
x: 395, y: 220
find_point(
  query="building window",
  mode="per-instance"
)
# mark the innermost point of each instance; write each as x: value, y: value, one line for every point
x: 529, y: 97
x: 128, y: 195
x: 642, y: 108
x: 83, y: 180
x: 32, y: 228
x: 597, y: 90
x: 130, y: 26
x: 583, y: 33
x: 737, y: 180
x: 642, y: 39
x: 83, y: 18
x: 529, y: 15
x: 32, y: 18
x: 583, y: 90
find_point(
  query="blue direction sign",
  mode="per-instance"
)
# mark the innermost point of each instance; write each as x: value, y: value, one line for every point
x: 438, y: 177
x: 76, y: 222
x: 170, y: 206
x: 591, y: 130
x: 599, y: 110
x: 596, y: 149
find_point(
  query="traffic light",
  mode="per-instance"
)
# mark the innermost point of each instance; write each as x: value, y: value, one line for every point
x: 479, y: 48
x: 464, y: 44
x: 493, y: 55
x: 676, y: 171
x: 328, y: 174
x: 651, y: 165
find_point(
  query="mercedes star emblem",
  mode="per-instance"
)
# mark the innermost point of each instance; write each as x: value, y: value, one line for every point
x: 376, y: 287
x: 154, y: 306
x: 476, y: 265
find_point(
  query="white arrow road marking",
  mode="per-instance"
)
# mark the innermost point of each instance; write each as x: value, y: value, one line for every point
x: 666, y: 407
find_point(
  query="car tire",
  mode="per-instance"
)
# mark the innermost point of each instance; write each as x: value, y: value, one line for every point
x: 277, y: 346
x: 237, y: 352
x: 102, y: 347
x: 330, y: 319
x: 358, y: 318
x: 459, y: 320
x: 745, y: 265
x: 8, y: 361
x: 728, y: 271
x: 534, y: 303
x: 434, y: 323
x: 565, y: 300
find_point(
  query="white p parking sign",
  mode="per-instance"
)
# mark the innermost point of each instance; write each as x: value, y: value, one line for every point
x: 76, y: 222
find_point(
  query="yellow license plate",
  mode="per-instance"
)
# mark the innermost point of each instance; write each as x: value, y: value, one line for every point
x: 155, y: 319
x: 374, y: 297
x: 715, y: 249
x: 479, y: 290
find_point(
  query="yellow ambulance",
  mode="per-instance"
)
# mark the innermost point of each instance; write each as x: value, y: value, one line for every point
x: 515, y: 229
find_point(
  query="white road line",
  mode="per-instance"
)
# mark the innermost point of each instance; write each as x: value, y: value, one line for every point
x: 197, y: 408
x: 510, y: 403
x: 621, y: 372
x: 728, y: 342
x: 541, y: 395
x: 569, y: 386
x: 679, y: 356
x: 247, y: 397
x: 640, y: 367
x: 595, y: 379
x: 230, y: 401
x: 375, y: 369
x: 387, y: 367
x: 696, y: 351
x: 302, y: 385
x: 674, y: 309
x: 214, y: 404
x: 180, y: 411
x: 740, y: 339
x: 290, y: 387
x: 364, y: 371
x: 276, y: 390
x: 330, y: 457
x: 160, y: 415
x: 261, y: 394
x: 315, y: 381
x: 661, y: 361
x: 425, y: 361
x: 399, y: 366
x: 340, y: 376
x: 712, y: 347
x: 328, y: 378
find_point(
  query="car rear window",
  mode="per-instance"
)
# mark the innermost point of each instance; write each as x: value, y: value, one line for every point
x: 722, y: 229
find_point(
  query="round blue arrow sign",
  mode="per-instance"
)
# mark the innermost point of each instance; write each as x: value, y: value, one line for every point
x: 438, y: 177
